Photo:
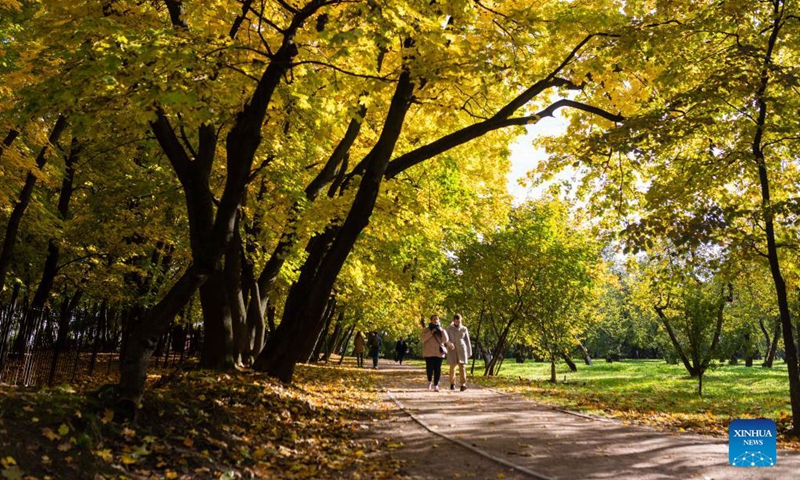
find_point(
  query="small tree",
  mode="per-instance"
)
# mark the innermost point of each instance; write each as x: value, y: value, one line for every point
x: 530, y: 279
x: 692, y: 313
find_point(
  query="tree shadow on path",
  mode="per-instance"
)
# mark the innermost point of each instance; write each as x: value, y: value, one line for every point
x: 547, y: 441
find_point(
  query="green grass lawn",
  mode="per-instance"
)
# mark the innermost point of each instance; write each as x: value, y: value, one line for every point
x: 653, y: 393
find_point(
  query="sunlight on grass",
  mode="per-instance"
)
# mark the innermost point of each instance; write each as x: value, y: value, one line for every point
x: 653, y: 393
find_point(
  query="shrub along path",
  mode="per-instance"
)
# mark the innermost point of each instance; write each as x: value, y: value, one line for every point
x: 543, y: 440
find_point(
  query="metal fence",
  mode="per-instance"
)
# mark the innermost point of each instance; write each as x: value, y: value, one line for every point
x: 55, y: 349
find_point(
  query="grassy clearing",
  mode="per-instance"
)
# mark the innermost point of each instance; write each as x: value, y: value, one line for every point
x: 650, y: 392
x: 200, y: 425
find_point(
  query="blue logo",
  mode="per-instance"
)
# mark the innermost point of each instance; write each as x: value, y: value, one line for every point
x: 752, y: 443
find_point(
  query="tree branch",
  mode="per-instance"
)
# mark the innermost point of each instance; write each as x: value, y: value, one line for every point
x: 12, y: 135
x: 346, y: 72
x: 537, y: 87
x: 176, y: 13
x: 474, y: 131
x: 237, y: 23
x: 171, y: 145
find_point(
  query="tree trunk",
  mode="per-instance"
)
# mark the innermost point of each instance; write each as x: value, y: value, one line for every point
x: 5, y: 325
x: 241, y: 144
x: 305, y: 305
x: 569, y: 362
x: 218, y: 351
x: 328, y: 315
x: 490, y: 370
x: 477, y: 342
x: 50, y: 270
x: 343, y: 337
x: 772, y: 346
x: 700, y: 383
x: 242, y: 339
x: 346, y: 344
x: 24, y: 199
x: 769, y: 226
x: 692, y: 369
x: 67, y: 307
x: 552, y: 368
x: 587, y: 359
x: 334, y: 338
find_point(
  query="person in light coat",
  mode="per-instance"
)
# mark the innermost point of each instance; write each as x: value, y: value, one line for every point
x: 434, y: 339
x: 358, y: 349
x: 459, y: 353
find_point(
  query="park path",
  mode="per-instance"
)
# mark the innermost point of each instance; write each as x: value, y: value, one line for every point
x: 546, y: 442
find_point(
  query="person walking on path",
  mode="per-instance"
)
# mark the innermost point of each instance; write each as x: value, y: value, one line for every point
x: 375, y: 342
x: 462, y: 351
x: 434, y: 339
x: 358, y: 349
x: 400, y: 351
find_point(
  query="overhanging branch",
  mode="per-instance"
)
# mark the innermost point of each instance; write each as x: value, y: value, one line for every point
x: 474, y: 131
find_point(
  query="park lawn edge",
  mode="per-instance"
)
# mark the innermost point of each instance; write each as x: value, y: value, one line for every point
x: 572, y: 396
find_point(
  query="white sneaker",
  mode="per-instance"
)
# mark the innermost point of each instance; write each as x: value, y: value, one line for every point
x: 430, y: 385
x: 436, y: 388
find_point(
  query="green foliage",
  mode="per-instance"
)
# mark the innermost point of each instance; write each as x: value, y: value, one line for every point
x: 527, y: 281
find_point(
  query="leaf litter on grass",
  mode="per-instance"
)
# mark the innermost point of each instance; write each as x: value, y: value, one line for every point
x: 201, y: 425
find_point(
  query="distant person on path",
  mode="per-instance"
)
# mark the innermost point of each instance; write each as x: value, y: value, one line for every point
x: 460, y: 353
x: 400, y: 351
x: 434, y: 350
x: 375, y: 342
x: 358, y: 349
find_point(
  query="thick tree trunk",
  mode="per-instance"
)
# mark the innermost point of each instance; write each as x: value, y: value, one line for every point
x: 142, y: 339
x: 218, y: 351
x: 303, y: 315
x: 266, y: 281
x: 242, y: 339
x: 241, y: 144
x: 24, y: 199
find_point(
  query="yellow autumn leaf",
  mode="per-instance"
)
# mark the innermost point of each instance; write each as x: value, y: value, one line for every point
x: 105, y: 454
x: 108, y: 415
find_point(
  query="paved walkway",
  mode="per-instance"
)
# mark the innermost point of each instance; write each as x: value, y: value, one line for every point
x: 545, y: 442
